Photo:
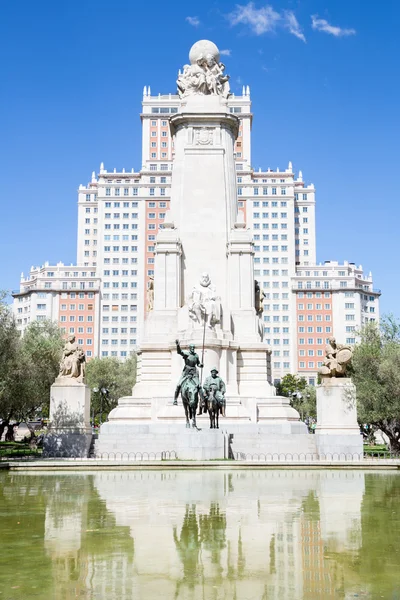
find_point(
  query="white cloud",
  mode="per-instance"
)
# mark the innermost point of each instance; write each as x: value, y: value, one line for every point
x: 265, y: 19
x: 260, y: 20
x: 323, y: 25
x: 292, y: 24
x: 195, y: 21
x: 226, y: 52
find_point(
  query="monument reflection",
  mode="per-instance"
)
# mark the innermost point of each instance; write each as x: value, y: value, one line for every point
x: 244, y: 535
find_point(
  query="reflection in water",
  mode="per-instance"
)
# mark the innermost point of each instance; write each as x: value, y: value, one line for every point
x: 241, y: 535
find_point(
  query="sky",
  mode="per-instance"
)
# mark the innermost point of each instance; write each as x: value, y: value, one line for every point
x: 324, y: 80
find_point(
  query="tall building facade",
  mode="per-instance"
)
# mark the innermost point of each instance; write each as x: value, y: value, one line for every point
x: 68, y: 295
x: 120, y: 213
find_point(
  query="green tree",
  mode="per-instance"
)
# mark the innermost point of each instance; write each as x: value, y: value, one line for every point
x: 113, y: 375
x: 302, y: 396
x: 28, y: 367
x: 376, y: 374
x: 9, y: 367
x: 291, y: 384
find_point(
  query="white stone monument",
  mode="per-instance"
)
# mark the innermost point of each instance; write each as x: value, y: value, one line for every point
x: 337, y: 432
x: 204, y: 291
x: 69, y: 433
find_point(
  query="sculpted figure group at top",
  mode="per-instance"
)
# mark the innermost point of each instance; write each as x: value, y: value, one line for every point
x: 204, y: 77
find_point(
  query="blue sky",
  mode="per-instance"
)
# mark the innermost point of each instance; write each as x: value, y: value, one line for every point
x: 324, y: 81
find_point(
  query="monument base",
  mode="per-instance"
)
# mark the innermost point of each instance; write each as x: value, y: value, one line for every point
x: 160, y: 441
x: 154, y: 427
x: 337, y: 431
x: 69, y: 434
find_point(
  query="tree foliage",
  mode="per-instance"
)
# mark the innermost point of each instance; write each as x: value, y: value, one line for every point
x: 113, y: 375
x: 302, y: 396
x: 28, y: 367
x: 291, y: 384
x: 376, y: 374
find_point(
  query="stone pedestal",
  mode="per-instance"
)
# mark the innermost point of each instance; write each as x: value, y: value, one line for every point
x: 69, y: 433
x: 337, y: 431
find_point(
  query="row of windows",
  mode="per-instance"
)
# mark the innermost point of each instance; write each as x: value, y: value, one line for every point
x: 80, y: 319
x: 158, y: 122
x: 310, y: 365
x: 117, y: 248
x: 266, y: 226
x: 123, y: 353
x: 115, y: 284
x: 313, y: 284
x: 317, y: 317
x: 106, y: 307
x: 73, y: 307
x: 274, y: 215
x: 267, y: 249
x: 116, y: 272
x: 314, y: 341
x: 124, y: 261
x: 275, y: 318
x: 276, y: 330
x: 316, y: 306
x: 265, y: 191
x: 265, y: 204
x: 115, y: 342
x: 318, y: 329
x: 163, y: 155
x: 311, y: 294
x: 117, y: 296
x: 117, y: 237
x: 311, y: 352
x: 116, y: 330
x: 116, y: 319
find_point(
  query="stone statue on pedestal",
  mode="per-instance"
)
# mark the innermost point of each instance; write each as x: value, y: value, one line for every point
x: 204, y: 304
x: 205, y: 75
x: 73, y: 361
x: 337, y: 359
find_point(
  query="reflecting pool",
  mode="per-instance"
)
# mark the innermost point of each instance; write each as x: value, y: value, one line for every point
x: 201, y: 535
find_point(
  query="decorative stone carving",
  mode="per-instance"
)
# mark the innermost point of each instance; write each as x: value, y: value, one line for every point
x: 204, y: 136
x: 150, y: 294
x: 73, y: 361
x: 259, y: 297
x: 205, y: 74
x: 204, y: 304
x: 337, y: 359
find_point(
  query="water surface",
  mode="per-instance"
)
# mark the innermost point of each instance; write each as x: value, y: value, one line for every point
x: 200, y: 535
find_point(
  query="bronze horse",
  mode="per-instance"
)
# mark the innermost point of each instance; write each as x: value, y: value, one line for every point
x: 213, y: 408
x: 190, y: 400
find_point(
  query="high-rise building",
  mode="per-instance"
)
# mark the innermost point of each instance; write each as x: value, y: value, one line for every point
x: 120, y: 213
x: 69, y: 295
x: 332, y: 299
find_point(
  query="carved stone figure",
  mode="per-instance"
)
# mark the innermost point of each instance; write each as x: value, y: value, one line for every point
x: 204, y: 304
x: 205, y: 74
x: 73, y: 361
x: 337, y: 359
x: 259, y: 297
x: 215, y: 386
x: 150, y: 295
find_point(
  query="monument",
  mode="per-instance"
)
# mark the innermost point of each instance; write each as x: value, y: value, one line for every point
x: 337, y: 431
x: 69, y: 433
x: 204, y: 294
